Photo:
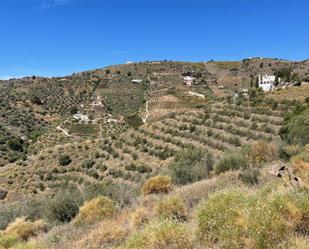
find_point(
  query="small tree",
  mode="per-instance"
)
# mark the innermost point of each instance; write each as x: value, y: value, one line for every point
x: 73, y: 110
x: 231, y: 161
x: 36, y: 100
x: 16, y: 144
x: 190, y: 165
x: 64, y: 206
x: 64, y: 160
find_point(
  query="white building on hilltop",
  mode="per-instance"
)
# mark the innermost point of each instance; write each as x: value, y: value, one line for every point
x: 189, y: 80
x: 267, y: 82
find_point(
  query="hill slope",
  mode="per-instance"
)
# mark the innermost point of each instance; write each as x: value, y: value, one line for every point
x: 138, y: 128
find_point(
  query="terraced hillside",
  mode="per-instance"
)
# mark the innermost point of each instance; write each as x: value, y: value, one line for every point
x: 110, y: 157
x: 136, y: 154
x: 38, y: 125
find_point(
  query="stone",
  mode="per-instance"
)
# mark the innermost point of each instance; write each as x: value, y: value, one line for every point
x: 3, y: 194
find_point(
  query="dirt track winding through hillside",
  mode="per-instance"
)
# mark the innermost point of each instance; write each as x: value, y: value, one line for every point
x: 147, y: 113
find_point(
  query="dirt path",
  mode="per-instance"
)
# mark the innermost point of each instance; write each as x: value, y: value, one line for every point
x: 65, y: 132
x: 147, y: 113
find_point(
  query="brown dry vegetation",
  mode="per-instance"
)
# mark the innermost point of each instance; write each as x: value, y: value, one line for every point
x: 293, y: 93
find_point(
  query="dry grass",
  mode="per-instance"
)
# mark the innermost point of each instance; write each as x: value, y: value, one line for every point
x: 139, y: 217
x: 29, y: 245
x: 262, y: 152
x: 18, y: 232
x: 172, y: 207
x: 192, y: 194
x: 108, y: 233
x: 166, y: 234
x: 23, y: 229
x: 300, y: 166
x: 246, y: 219
x: 95, y: 209
x: 292, y: 93
x: 295, y: 242
x: 157, y: 184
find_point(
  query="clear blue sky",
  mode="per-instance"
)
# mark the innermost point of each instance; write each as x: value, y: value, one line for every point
x: 58, y: 37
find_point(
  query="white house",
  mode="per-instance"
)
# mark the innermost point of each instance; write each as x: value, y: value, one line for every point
x: 137, y: 81
x: 267, y: 82
x: 188, y: 80
x: 81, y: 117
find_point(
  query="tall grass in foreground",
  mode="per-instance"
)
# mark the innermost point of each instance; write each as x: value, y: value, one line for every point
x: 237, y: 219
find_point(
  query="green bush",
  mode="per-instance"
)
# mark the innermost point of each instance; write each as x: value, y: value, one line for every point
x: 287, y: 151
x: 120, y: 193
x: 7, y: 241
x: 134, y: 120
x: 88, y: 164
x: 250, y: 176
x: 16, y: 144
x: 64, y: 206
x: 190, y: 165
x: 32, y: 208
x: 64, y: 160
x: 295, y: 128
x: 231, y: 161
x: 73, y: 110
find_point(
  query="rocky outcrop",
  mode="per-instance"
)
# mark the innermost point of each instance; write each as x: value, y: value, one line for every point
x: 3, y: 194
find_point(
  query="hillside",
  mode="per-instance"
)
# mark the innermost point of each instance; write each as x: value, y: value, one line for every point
x: 168, y: 157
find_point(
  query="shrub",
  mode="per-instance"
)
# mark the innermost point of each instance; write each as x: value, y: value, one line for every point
x: 88, y: 164
x: 250, y: 176
x: 7, y: 241
x: 73, y: 110
x: 134, y: 120
x: 295, y: 242
x: 95, y: 209
x: 166, y: 234
x: 64, y: 206
x: 31, y: 208
x: 172, y: 207
x: 262, y: 152
x: 64, y: 160
x: 23, y: 229
x: 295, y: 128
x: 16, y: 144
x: 143, y: 169
x: 300, y: 166
x: 190, y: 165
x: 231, y: 161
x: 287, y: 151
x: 29, y: 245
x: 157, y: 184
x: 131, y: 167
x: 139, y: 217
x: 36, y: 100
x: 235, y: 219
x: 120, y: 193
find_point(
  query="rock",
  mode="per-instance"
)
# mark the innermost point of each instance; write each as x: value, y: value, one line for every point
x: 3, y: 194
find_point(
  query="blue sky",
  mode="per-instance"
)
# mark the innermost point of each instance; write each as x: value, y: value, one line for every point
x: 59, y: 37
